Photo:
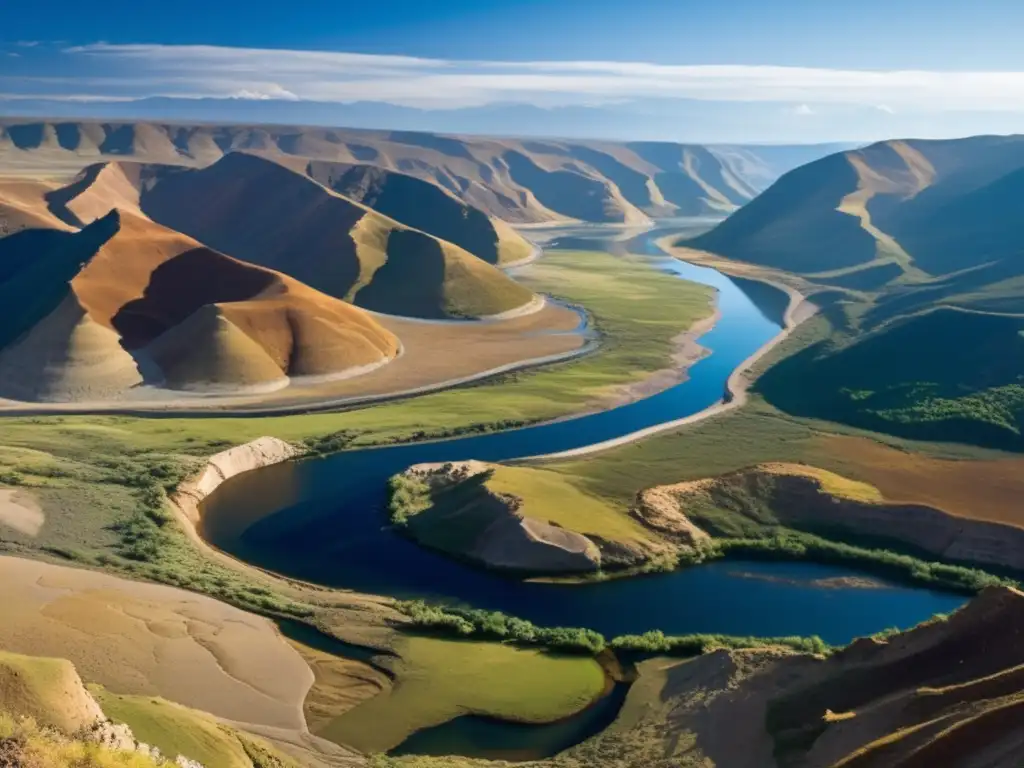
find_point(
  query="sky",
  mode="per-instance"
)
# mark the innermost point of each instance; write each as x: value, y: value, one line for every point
x: 715, y: 70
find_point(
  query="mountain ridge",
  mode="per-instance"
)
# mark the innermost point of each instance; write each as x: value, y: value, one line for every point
x: 507, y: 178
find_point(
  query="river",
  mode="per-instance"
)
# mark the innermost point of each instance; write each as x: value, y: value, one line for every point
x: 323, y: 520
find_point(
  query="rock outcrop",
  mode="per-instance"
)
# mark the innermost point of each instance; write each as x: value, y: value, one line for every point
x: 261, y: 452
x: 502, y: 536
x: 659, y: 508
x: 795, y: 496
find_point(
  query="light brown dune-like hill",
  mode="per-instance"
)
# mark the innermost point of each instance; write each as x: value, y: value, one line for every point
x: 67, y: 356
x: 190, y: 317
x: 266, y: 214
x: 606, y: 181
x: 98, y: 189
x: 23, y: 206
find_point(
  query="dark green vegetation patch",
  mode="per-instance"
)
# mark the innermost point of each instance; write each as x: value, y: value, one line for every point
x: 944, y: 375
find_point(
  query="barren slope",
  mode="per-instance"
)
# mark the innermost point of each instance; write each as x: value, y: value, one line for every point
x: 424, y: 206
x: 125, y: 283
x: 945, y: 693
x: 261, y: 212
x: 516, y: 180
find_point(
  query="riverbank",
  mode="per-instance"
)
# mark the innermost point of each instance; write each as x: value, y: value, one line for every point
x: 688, y: 351
x: 737, y: 386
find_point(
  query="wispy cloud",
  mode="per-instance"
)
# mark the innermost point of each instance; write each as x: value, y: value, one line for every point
x: 196, y: 71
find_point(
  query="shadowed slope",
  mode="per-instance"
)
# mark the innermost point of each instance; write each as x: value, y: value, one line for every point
x: 916, y: 698
x: 933, y: 207
x: 23, y: 206
x: 266, y: 214
x: 946, y: 693
x: 125, y: 281
x: 942, y: 375
x: 653, y: 177
x: 796, y: 224
x: 571, y: 192
x: 425, y: 206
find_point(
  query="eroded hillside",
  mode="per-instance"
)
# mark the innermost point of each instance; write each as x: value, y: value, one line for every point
x: 519, y: 181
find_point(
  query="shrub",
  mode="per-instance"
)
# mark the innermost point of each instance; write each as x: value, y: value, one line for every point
x: 407, y: 496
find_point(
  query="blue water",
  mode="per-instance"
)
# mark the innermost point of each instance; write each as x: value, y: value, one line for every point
x: 323, y: 520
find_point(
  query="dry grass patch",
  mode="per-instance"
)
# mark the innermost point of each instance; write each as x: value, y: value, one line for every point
x: 980, y: 490
x: 830, y: 482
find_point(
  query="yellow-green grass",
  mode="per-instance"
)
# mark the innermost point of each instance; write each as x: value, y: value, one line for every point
x: 27, y: 745
x: 636, y: 739
x: 553, y: 498
x: 443, y: 679
x: 831, y: 483
x: 47, y: 690
x: 455, y: 516
x: 962, y: 480
x: 177, y: 730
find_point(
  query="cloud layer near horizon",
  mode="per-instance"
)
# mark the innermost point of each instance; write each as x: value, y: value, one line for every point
x: 119, y: 72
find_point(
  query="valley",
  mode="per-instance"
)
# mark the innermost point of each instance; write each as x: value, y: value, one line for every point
x: 408, y: 473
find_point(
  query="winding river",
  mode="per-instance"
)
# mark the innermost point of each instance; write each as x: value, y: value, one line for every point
x: 322, y: 520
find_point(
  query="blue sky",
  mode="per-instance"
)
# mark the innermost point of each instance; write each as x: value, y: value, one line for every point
x: 773, y: 70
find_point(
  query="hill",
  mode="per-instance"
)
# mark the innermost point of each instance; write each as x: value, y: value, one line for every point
x: 49, y: 719
x: 944, y: 693
x: 516, y: 519
x: 426, y: 207
x: 125, y: 300
x: 942, y: 375
x: 930, y: 208
x: 518, y: 181
x: 271, y: 216
x: 914, y: 252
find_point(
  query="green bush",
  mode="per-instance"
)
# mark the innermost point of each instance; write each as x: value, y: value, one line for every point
x: 792, y: 545
x: 658, y: 642
x: 493, y: 625
x: 407, y: 496
x: 10, y: 477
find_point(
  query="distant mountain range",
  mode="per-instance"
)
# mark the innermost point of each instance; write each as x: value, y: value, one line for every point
x: 517, y: 180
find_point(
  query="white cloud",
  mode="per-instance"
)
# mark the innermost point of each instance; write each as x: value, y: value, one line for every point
x: 266, y: 93
x: 197, y: 71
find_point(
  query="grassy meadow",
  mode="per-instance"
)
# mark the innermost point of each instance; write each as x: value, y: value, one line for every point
x: 442, y: 679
